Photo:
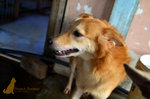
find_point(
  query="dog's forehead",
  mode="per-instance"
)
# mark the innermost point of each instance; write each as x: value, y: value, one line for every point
x: 88, y: 26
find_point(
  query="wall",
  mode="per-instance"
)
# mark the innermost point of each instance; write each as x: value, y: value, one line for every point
x: 122, y: 15
x: 98, y: 8
x: 138, y: 38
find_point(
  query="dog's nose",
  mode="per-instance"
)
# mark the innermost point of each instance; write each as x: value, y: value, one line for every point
x: 50, y: 41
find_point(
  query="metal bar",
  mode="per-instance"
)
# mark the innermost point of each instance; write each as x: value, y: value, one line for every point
x: 9, y: 7
x: 123, y: 90
x: 16, y: 9
x: 6, y: 9
x: 3, y: 10
x: 0, y: 10
x: 8, y: 51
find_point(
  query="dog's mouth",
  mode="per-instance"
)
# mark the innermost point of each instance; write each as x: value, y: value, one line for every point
x: 66, y: 52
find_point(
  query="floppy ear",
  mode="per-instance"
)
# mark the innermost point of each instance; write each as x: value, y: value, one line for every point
x: 84, y: 15
x: 112, y: 35
x: 108, y: 39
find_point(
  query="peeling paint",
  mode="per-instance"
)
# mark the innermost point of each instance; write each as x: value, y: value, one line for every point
x: 139, y: 5
x: 78, y: 6
x: 135, y: 57
x: 122, y: 14
x: 139, y: 11
x: 145, y: 28
x: 149, y: 43
x: 87, y: 9
x: 138, y: 44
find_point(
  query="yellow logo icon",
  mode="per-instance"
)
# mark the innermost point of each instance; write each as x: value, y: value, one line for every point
x: 10, y: 88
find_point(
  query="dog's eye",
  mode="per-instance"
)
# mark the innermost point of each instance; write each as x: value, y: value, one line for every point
x: 77, y: 34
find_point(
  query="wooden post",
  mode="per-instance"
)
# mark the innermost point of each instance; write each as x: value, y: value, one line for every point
x: 55, y: 22
x: 38, y: 5
x: 16, y: 9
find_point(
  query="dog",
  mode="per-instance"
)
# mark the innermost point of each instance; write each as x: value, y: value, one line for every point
x: 10, y: 88
x: 98, y: 52
x: 141, y: 78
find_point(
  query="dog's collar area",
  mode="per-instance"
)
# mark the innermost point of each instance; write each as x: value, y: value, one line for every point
x: 66, y: 52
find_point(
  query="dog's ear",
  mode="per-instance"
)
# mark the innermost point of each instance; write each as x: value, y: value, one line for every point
x: 112, y: 36
x: 83, y: 16
x: 108, y: 39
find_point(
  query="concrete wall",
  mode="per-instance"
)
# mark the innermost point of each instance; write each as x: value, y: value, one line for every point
x: 138, y: 37
x: 122, y: 15
x: 98, y: 8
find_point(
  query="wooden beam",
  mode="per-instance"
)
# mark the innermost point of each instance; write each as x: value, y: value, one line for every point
x: 55, y: 22
x: 16, y: 9
x: 38, y: 5
x: 122, y: 14
x: 10, y: 58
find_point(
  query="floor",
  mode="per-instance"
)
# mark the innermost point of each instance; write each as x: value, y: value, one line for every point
x: 54, y: 85
x: 26, y: 34
x: 49, y: 88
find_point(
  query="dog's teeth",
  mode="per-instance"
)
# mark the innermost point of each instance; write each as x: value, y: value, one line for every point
x: 59, y: 52
x: 66, y: 52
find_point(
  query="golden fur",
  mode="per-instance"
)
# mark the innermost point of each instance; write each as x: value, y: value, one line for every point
x: 99, y: 62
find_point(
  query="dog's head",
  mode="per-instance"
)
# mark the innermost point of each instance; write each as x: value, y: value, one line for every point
x: 86, y: 36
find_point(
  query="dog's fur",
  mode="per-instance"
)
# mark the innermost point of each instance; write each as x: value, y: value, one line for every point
x: 141, y: 78
x: 99, y: 61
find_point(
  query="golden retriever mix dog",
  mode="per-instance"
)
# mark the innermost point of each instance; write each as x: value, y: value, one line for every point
x: 98, y: 52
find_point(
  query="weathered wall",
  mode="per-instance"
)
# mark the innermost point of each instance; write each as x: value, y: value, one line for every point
x: 122, y: 15
x: 138, y: 38
x: 98, y: 8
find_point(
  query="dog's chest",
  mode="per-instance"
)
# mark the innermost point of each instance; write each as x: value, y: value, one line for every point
x: 85, y: 76
x: 83, y: 66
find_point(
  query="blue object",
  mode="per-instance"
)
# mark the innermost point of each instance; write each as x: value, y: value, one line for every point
x: 122, y: 14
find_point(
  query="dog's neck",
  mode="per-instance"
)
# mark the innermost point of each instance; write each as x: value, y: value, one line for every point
x: 86, y: 56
